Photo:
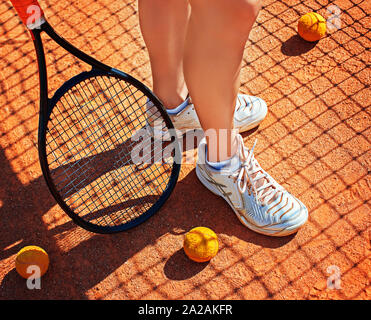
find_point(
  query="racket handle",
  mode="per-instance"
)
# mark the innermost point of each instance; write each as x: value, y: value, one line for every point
x: 29, y: 11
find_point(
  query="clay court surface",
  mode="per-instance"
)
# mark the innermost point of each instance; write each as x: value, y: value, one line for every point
x: 315, y: 141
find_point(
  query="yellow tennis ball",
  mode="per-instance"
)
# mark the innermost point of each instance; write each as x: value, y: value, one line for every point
x: 201, y: 244
x: 30, y: 256
x: 312, y: 26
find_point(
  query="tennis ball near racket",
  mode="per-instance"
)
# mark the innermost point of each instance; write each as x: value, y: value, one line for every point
x: 312, y: 26
x: 201, y: 244
x: 31, y: 256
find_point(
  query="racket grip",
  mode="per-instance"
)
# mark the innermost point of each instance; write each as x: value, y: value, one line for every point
x: 29, y: 11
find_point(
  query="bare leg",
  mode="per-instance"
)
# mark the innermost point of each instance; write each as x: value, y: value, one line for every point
x: 216, y: 37
x: 163, y: 24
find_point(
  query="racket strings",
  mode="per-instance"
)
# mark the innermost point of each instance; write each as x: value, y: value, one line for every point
x: 89, y: 146
x: 77, y: 116
x: 98, y: 186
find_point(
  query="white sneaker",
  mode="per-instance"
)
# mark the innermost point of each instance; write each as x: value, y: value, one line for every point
x: 249, y: 112
x: 257, y: 199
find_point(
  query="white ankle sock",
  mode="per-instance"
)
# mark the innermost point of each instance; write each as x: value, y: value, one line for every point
x: 231, y: 163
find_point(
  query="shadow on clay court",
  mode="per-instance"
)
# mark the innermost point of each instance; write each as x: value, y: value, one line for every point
x: 180, y: 261
x: 109, y: 251
x: 321, y: 119
x: 295, y: 46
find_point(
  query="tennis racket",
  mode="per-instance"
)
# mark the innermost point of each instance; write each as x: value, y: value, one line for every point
x: 96, y: 151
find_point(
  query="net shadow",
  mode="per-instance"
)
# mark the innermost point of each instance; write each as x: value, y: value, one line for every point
x: 315, y: 141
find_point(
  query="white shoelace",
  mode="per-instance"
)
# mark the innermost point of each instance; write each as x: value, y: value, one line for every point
x: 250, y: 171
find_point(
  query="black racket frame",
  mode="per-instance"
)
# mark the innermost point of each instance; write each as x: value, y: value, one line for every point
x: 47, y: 105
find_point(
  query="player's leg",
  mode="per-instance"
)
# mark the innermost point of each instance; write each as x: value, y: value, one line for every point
x: 216, y: 37
x: 163, y: 24
x: 215, y: 41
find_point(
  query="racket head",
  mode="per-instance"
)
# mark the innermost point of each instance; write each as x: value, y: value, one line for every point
x: 94, y: 147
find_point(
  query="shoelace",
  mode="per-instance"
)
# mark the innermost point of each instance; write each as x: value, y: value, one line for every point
x: 250, y: 171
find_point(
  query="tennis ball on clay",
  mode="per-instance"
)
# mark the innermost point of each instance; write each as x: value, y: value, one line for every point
x: 201, y: 244
x: 31, y: 256
x: 312, y: 26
